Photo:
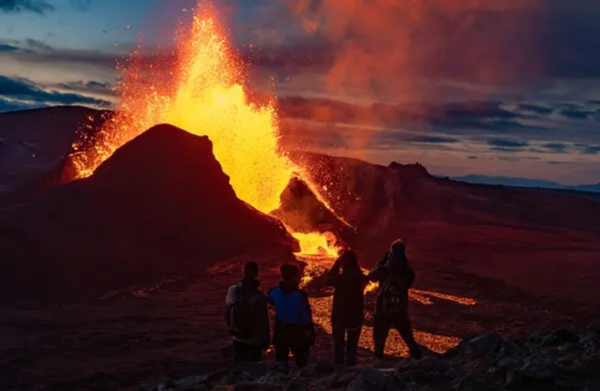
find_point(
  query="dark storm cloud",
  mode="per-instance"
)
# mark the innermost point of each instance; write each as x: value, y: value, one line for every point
x: 531, y: 108
x: 25, y: 90
x: 508, y: 144
x: 15, y: 6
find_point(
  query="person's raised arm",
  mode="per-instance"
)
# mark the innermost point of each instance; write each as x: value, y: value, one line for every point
x: 380, y: 271
x: 333, y: 276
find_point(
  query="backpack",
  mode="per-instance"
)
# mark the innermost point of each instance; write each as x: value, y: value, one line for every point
x: 240, y: 315
x: 393, y: 297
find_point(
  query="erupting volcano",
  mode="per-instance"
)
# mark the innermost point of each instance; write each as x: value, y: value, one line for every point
x: 204, y: 92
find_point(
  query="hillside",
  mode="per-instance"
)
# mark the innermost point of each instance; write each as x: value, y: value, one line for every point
x: 487, y: 257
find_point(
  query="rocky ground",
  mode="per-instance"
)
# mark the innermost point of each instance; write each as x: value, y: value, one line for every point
x: 557, y: 360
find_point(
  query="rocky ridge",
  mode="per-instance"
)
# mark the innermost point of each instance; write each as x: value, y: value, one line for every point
x: 557, y: 360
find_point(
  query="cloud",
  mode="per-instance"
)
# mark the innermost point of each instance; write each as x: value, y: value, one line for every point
x: 5, y: 48
x: 88, y: 87
x: 507, y: 144
x: 556, y: 147
x: 480, y: 115
x: 588, y: 149
x: 16, y: 6
x: 574, y: 113
x: 25, y: 90
x: 429, y: 139
x: 14, y: 105
x: 535, y: 109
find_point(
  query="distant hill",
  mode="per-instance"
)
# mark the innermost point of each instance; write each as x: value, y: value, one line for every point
x: 524, y: 182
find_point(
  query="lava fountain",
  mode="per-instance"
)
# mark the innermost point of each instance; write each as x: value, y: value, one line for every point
x: 203, y: 91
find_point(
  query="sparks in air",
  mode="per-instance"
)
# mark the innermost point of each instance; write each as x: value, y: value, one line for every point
x: 204, y: 92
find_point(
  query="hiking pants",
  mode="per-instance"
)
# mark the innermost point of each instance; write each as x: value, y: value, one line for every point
x: 381, y: 329
x: 348, y: 343
x: 246, y: 353
x: 290, y: 337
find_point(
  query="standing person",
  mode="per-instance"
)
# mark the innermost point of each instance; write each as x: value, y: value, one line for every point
x: 347, y: 314
x: 248, y: 317
x: 395, y: 277
x: 294, y: 329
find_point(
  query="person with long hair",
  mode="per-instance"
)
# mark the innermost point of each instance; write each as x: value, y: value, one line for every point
x: 347, y: 316
x: 395, y: 277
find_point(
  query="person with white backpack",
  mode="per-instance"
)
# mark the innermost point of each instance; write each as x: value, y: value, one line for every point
x: 247, y: 317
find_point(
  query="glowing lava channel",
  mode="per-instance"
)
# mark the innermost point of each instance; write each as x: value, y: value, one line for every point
x: 203, y: 93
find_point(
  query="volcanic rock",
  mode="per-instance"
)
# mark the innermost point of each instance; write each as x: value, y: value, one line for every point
x: 301, y: 210
x: 160, y: 206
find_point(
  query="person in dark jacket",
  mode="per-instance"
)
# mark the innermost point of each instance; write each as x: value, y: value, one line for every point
x: 347, y: 314
x: 395, y: 277
x: 294, y: 329
x: 246, y: 297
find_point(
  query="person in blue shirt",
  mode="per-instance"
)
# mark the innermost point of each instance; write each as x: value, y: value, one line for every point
x: 294, y: 330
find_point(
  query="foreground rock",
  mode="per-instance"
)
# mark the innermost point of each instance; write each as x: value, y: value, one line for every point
x: 160, y: 206
x: 486, y: 362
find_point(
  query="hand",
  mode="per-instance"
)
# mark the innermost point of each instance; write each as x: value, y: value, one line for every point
x: 338, y: 263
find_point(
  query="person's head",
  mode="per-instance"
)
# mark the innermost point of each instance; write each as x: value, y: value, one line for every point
x: 397, y: 259
x: 251, y: 270
x: 398, y: 248
x: 348, y: 260
x: 290, y: 273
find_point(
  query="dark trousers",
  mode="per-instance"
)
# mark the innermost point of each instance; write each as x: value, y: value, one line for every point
x: 246, y: 353
x: 382, y: 327
x: 291, y: 337
x: 347, y: 340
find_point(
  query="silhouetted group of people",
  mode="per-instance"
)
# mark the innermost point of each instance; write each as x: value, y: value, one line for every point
x: 248, y: 316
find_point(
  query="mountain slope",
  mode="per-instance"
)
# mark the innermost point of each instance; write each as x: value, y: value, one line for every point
x: 160, y: 206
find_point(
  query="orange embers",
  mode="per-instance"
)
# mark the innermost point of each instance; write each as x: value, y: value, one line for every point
x: 203, y: 92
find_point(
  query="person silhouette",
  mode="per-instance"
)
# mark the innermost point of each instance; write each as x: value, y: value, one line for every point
x: 294, y: 329
x: 347, y: 315
x: 395, y: 277
x: 248, y: 317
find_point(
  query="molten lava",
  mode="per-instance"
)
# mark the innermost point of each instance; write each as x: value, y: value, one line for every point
x: 204, y: 93
x: 205, y: 96
x: 318, y: 244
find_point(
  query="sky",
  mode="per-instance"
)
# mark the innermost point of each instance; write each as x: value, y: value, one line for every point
x: 502, y: 88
